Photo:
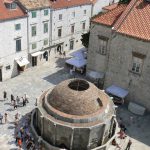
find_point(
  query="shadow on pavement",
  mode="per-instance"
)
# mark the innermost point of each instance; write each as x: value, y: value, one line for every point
x: 137, y: 126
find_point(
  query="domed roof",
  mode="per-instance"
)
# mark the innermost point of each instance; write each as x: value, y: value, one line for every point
x: 76, y: 97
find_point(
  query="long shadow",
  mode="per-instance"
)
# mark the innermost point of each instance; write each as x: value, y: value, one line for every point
x: 137, y: 126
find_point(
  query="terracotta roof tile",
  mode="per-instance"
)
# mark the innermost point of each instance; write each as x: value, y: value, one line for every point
x: 135, y: 21
x: 110, y: 17
x: 35, y: 4
x: 10, y: 13
x: 58, y: 4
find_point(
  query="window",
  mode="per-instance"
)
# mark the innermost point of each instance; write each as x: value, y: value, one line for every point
x: 84, y: 12
x: 71, y: 44
x: 33, y: 30
x: 11, y: 5
x: 59, y: 31
x: 34, y: 46
x: 83, y: 26
x: 33, y: 14
x: 45, y: 42
x: 73, y: 14
x: 17, y: 26
x: 137, y: 64
x: 102, y: 46
x: 7, y: 67
x: 60, y: 16
x: 18, y: 45
x: 46, y: 27
x: 46, y: 12
x: 72, y: 28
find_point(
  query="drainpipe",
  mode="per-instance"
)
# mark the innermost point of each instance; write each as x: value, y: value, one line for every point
x: 51, y: 23
x: 28, y: 35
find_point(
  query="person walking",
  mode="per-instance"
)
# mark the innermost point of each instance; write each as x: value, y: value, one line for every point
x: 17, y: 99
x: 19, y: 143
x: 23, y: 102
x: 26, y: 98
x: 128, y: 145
x: 15, y: 105
x: 64, y: 54
x: 12, y: 98
x: 5, y: 117
x: 5, y: 95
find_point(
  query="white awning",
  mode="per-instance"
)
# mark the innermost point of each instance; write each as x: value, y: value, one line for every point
x: 22, y: 61
x: 76, y: 62
x: 117, y: 91
x: 37, y: 54
x: 95, y: 75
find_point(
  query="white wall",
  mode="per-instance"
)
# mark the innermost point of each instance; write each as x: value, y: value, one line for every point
x: 40, y: 36
x: 100, y: 4
x: 66, y: 22
x: 8, y: 45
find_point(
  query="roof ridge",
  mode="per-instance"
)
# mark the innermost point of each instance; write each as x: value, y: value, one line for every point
x: 125, y: 14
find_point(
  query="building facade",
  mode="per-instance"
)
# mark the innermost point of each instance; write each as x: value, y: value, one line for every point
x: 121, y: 50
x: 38, y: 29
x: 68, y: 24
x: 13, y: 40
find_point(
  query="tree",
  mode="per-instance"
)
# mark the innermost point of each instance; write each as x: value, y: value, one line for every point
x: 124, y: 1
x: 85, y: 39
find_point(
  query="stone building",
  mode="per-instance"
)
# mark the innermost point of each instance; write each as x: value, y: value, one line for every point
x: 38, y: 29
x: 119, y: 48
x: 75, y: 115
x: 13, y: 39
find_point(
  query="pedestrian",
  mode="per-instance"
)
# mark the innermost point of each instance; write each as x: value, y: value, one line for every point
x: 128, y: 145
x: 23, y: 102
x: 26, y: 98
x: 17, y: 99
x: 122, y: 126
x: 36, y: 102
x: 5, y: 95
x: 12, y: 98
x: 64, y: 54
x: 16, y: 137
x: 5, y: 117
x: 60, y: 53
x: 19, y: 143
x: 15, y: 105
x: 1, y: 118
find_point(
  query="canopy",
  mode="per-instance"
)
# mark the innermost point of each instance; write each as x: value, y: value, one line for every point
x: 22, y: 61
x: 37, y: 54
x: 76, y: 62
x: 81, y: 53
x: 95, y: 75
x: 117, y: 91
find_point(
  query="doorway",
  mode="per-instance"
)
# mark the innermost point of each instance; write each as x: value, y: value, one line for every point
x: 34, y: 61
x: 71, y: 44
x: 0, y: 75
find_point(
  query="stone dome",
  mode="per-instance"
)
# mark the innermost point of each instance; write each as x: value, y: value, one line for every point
x: 76, y: 97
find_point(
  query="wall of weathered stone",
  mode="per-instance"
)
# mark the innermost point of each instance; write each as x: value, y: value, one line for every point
x: 97, y: 61
x: 120, y: 66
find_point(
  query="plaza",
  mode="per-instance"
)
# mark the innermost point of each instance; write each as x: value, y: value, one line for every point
x: 38, y: 79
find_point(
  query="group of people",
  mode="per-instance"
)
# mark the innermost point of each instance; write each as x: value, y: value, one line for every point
x: 23, y: 134
x: 122, y: 135
x: 16, y: 101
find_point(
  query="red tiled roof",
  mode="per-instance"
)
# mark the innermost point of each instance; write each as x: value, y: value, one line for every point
x: 58, y: 4
x: 110, y: 17
x: 10, y: 14
x: 135, y: 21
